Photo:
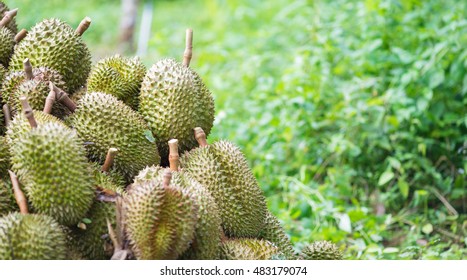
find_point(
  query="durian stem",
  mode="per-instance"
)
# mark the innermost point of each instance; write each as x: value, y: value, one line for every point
x: 63, y: 97
x: 187, y: 55
x: 167, y: 178
x: 28, y: 69
x: 28, y: 111
x: 200, y: 136
x: 6, y: 114
x: 83, y: 26
x: 113, y: 236
x: 173, y: 155
x: 109, y: 159
x: 20, y: 36
x: 18, y: 193
x: 49, y: 101
x: 9, y: 16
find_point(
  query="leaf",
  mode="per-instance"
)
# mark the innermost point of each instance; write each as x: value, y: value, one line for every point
x: 390, y: 250
x: 403, y: 187
x: 437, y: 78
x: 87, y: 221
x: 344, y: 223
x: 149, y: 136
x: 427, y: 228
x: 385, y: 177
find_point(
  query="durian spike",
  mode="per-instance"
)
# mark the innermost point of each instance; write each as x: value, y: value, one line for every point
x: 167, y: 178
x: 188, y: 47
x: 109, y: 159
x: 28, y: 69
x: 6, y: 114
x: 28, y: 113
x: 9, y: 16
x: 63, y: 97
x: 173, y: 155
x: 20, y: 36
x: 18, y: 193
x: 200, y: 136
x: 50, y: 100
x: 83, y: 26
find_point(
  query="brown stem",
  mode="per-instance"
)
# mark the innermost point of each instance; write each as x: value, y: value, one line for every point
x: 188, y: 47
x: 20, y: 36
x: 6, y: 114
x: 167, y: 177
x: 173, y: 155
x: 109, y: 159
x: 28, y: 111
x: 49, y: 101
x: 8, y: 17
x: 200, y: 136
x: 28, y: 69
x: 113, y: 236
x: 83, y: 26
x: 63, y: 97
x: 18, y: 193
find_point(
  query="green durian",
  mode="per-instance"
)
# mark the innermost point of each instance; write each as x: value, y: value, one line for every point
x: 54, y: 44
x: 207, y: 239
x: 4, y: 157
x: 160, y: 220
x: 247, y: 249
x: 7, y: 44
x: 7, y: 200
x: 12, y: 24
x: 321, y: 250
x: 50, y: 162
x: 3, y: 73
x: 119, y: 76
x: 107, y: 122
x: 31, y: 237
x: 223, y: 170
x: 275, y: 233
x: 173, y: 101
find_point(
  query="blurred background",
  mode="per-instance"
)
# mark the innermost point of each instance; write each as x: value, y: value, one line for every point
x: 352, y: 114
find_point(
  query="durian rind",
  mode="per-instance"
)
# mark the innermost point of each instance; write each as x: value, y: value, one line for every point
x: 248, y: 249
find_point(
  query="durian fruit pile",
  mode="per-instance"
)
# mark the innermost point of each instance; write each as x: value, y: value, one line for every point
x: 111, y: 161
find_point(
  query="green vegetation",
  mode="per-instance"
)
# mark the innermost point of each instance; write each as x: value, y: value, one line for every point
x: 353, y: 114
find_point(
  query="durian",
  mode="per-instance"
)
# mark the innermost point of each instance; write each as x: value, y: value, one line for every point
x: 119, y: 76
x: 50, y: 162
x: 12, y: 24
x: 274, y: 232
x: 4, y: 157
x: 7, y: 200
x: 7, y: 41
x: 321, y: 250
x: 31, y: 237
x: 248, y: 249
x: 107, y: 122
x: 54, y: 44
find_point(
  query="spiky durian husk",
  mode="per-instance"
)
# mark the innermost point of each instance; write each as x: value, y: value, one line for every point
x: 31, y: 237
x: 207, y: 239
x: 222, y: 168
x: 12, y: 25
x: 7, y: 44
x: 7, y: 200
x: 160, y: 221
x: 3, y: 72
x: 54, y: 44
x: 321, y: 250
x: 16, y: 78
x: 118, y: 76
x: 50, y: 162
x: 19, y: 126
x: 247, y: 249
x: 4, y: 157
x: 274, y: 232
x: 107, y: 122
x: 173, y: 101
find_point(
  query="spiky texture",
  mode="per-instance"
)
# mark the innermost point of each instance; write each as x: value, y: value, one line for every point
x: 247, y: 249
x: 222, y: 168
x: 19, y: 126
x: 174, y: 101
x: 274, y: 232
x: 7, y: 44
x: 206, y: 242
x: 54, y: 44
x: 321, y: 250
x: 160, y: 221
x: 3, y: 72
x: 118, y: 76
x: 31, y: 237
x: 12, y: 25
x: 7, y: 200
x: 50, y: 161
x: 93, y: 242
x: 107, y: 122
x: 4, y: 157
x: 42, y: 76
